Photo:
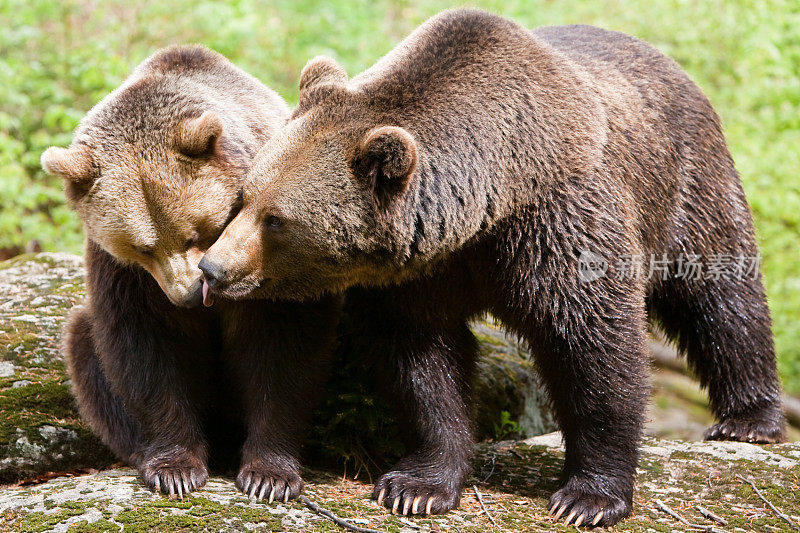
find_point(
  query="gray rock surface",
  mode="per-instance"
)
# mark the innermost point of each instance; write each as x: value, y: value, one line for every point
x: 514, y: 479
x: 39, y: 427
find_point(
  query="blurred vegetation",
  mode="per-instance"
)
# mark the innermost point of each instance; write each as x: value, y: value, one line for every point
x: 57, y: 59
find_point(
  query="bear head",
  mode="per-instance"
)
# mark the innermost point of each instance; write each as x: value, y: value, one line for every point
x: 155, y: 169
x: 323, y: 201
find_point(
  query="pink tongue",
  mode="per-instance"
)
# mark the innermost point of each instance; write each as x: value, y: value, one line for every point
x: 208, y: 298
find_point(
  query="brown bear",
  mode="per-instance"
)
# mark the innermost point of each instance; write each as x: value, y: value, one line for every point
x: 482, y: 167
x: 155, y: 173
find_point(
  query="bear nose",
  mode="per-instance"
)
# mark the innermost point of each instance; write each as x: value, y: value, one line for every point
x: 213, y: 272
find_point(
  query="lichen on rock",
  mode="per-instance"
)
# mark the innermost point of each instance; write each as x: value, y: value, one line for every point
x: 514, y: 478
x: 40, y: 430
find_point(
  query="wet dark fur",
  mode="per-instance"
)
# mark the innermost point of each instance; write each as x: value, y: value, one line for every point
x: 535, y: 146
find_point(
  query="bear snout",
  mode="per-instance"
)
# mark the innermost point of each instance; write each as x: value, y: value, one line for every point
x: 193, y: 297
x: 213, y: 272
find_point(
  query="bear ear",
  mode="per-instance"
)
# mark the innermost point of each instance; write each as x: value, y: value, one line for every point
x: 386, y: 158
x: 321, y: 71
x: 198, y: 136
x: 74, y: 165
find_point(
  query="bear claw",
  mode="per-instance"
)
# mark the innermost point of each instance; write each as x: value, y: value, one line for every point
x: 578, y: 521
x: 585, y: 506
x: 175, y: 472
x: 263, y: 484
x: 406, y: 495
x: 760, y: 430
x: 415, y: 505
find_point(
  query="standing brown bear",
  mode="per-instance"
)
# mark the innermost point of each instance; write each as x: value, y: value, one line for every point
x: 477, y: 167
x: 155, y: 172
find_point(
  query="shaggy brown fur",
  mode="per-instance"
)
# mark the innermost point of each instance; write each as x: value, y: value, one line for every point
x: 155, y: 172
x: 467, y: 172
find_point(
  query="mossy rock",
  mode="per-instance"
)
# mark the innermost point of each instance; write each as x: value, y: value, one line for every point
x: 41, y: 432
x: 514, y: 479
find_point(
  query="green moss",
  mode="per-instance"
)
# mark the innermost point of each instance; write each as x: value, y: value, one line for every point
x: 199, y: 513
x: 18, y: 340
x: 98, y: 526
x: 516, y: 495
x: 39, y: 521
x: 651, y: 468
x: 37, y: 404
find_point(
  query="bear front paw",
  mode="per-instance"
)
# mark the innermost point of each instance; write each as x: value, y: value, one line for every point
x: 409, y: 494
x: 175, y: 471
x: 582, y: 504
x: 259, y: 481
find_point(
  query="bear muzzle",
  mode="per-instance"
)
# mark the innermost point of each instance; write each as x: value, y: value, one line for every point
x: 192, y: 298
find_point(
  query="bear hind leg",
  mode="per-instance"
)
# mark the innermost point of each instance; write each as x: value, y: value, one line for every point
x: 723, y: 328
x: 98, y: 405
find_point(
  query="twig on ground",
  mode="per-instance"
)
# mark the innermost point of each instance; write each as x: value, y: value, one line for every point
x: 494, y: 456
x: 775, y: 509
x: 480, y: 501
x: 409, y: 523
x: 711, y: 516
x: 338, y: 521
x: 664, y: 507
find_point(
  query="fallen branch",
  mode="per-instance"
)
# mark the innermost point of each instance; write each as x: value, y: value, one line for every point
x: 711, y: 516
x: 480, y: 501
x: 775, y: 509
x: 338, y: 521
x: 664, y: 507
x: 667, y: 357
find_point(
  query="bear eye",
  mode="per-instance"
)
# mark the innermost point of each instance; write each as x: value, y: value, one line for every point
x: 273, y: 222
x: 193, y: 239
x: 144, y: 251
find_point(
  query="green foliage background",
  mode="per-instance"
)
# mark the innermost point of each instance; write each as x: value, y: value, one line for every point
x: 57, y: 59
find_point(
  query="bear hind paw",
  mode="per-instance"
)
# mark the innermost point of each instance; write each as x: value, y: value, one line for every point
x: 747, y: 430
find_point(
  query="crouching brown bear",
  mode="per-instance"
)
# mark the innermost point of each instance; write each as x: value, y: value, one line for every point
x: 468, y: 171
x: 155, y: 171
